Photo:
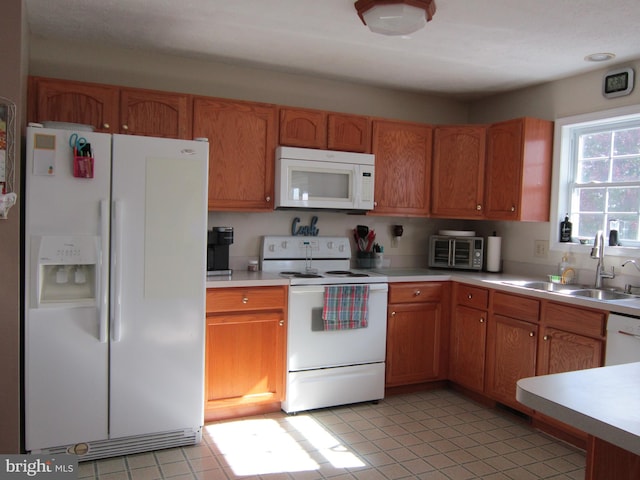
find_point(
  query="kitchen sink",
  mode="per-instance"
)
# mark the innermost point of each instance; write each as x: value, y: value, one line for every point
x: 573, y: 290
x: 598, y: 294
x: 545, y: 286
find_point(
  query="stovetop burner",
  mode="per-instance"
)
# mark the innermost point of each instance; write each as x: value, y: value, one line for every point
x: 345, y: 273
x: 300, y: 275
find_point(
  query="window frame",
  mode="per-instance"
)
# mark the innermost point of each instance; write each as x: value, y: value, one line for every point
x: 563, y: 164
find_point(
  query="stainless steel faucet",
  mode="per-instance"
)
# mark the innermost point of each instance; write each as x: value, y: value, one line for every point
x: 628, y: 287
x: 597, y: 252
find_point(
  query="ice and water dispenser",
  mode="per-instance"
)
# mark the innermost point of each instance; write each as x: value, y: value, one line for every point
x: 66, y: 270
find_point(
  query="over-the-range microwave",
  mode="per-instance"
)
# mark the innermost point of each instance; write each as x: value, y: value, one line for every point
x: 461, y: 253
x: 326, y: 179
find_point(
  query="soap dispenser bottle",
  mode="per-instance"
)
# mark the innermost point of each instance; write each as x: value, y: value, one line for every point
x: 565, y: 229
x: 565, y: 271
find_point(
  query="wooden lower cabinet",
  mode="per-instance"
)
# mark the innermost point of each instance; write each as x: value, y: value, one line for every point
x: 606, y: 461
x: 512, y: 341
x: 511, y: 355
x: 245, y: 350
x: 417, y: 333
x: 468, y: 336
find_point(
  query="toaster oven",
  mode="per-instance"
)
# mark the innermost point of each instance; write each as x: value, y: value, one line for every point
x: 461, y: 253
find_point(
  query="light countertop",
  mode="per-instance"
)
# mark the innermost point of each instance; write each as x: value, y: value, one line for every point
x: 604, y: 402
x: 244, y: 278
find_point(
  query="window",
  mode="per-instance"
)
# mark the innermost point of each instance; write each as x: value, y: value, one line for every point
x: 597, y: 173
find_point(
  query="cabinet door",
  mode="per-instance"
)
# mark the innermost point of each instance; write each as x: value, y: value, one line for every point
x: 511, y: 355
x: 242, y: 138
x: 349, y: 133
x: 76, y: 102
x: 468, y: 342
x: 413, y: 343
x: 518, y: 176
x: 562, y: 351
x: 403, y: 168
x: 303, y: 128
x: 155, y: 114
x: 457, y: 187
x: 245, y: 357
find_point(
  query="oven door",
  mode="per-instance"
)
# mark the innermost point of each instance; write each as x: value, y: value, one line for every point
x: 311, y: 347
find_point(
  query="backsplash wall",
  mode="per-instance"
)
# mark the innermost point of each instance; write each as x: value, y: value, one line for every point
x: 411, y: 249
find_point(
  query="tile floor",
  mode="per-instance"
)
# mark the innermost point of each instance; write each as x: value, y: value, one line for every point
x: 430, y: 435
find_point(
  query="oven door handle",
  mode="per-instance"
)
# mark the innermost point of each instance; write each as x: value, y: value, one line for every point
x: 302, y: 289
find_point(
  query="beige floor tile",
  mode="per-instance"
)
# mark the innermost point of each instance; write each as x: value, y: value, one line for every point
x: 435, y: 435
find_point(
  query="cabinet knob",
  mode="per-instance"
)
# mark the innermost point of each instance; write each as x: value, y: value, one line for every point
x: 245, y: 300
x: 513, y: 208
x: 417, y: 293
x: 281, y: 323
x: 531, y: 334
x: 481, y: 320
x: 470, y: 296
x: 125, y: 127
x: 106, y: 126
x: 393, y: 314
x: 375, y: 204
x: 478, y: 207
x: 268, y: 199
x: 546, y: 337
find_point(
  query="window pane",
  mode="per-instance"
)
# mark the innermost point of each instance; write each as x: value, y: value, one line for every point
x: 593, y: 171
x: 623, y: 199
x: 626, y: 169
x: 589, y: 224
x: 627, y: 142
x: 591, y: 199
x: 628, y: 229
x: 596, y: 145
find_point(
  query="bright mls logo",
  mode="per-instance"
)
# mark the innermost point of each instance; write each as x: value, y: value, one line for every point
x: 52, y: 467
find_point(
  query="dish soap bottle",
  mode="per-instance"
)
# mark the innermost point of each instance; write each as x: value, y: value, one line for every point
x: 566, y: 273
x: 565, y: 229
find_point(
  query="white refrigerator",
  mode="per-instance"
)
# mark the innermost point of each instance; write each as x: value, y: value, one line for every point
x: 115, y: 268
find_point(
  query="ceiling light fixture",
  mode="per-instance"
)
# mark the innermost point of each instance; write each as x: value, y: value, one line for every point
x: 600, y: 57
x: 395, y: 17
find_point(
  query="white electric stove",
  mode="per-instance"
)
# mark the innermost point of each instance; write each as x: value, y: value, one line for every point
x: 327, y: 367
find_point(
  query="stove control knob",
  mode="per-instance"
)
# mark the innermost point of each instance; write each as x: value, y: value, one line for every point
x: 284, y: 244
x: 330, y: 245
x: 341, y: 247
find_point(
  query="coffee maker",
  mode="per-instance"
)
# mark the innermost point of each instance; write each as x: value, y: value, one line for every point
x: 218, y: 241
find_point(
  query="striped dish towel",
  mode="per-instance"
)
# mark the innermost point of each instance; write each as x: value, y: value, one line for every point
x: 345, y: 307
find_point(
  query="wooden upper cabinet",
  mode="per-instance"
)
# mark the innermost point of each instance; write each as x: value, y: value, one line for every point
x: 242, y: 137
x: 307, y: 128
x: 349, y: 133
x: 74, y: 102
x: 403, y: 168
x: 155, y: 114
x: 303, y: 128
x: 457, y: 187
x: 518, y: 172
x: 111, y: 109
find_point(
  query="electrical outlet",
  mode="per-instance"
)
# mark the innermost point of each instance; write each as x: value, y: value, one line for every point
x: 540, y: 248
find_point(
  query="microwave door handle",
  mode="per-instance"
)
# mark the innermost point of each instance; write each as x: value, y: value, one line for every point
x: 452, y: 252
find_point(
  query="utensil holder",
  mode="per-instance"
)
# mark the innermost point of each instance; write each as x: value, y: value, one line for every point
x: 365, y: 260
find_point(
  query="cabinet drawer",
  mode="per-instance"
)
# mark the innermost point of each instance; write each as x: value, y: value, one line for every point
x: 515, y: 306
x: 574, y: 319
x: 244, y: 299
x: 472, y: 296
x: 418, y: 292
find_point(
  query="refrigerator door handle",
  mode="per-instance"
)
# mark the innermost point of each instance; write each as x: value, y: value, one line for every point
x: 116, y: 266
x: 103, y: 309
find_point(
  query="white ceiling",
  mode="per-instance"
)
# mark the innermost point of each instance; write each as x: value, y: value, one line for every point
x: 470, y: 49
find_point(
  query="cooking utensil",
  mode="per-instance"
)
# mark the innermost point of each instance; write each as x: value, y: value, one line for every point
x: 363, y: 231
